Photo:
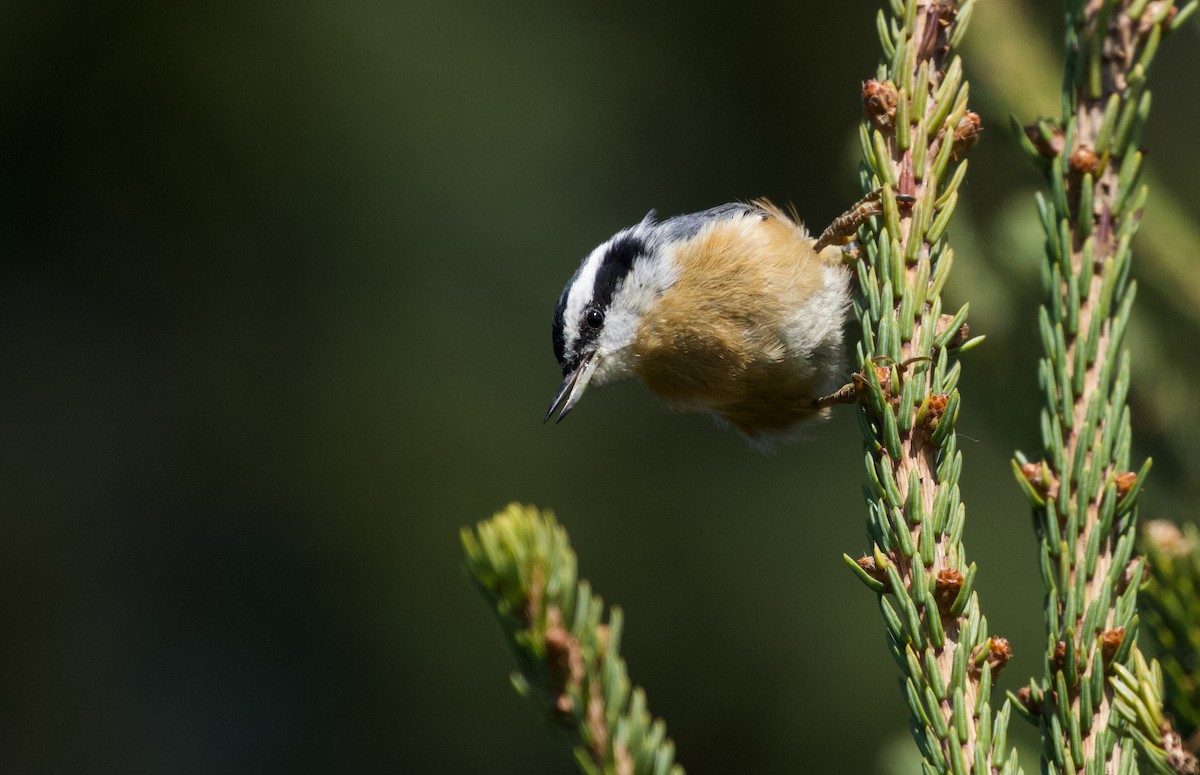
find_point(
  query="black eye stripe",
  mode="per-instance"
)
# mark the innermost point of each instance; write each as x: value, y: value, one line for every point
x: 614, y: 268
x: 617, y: 264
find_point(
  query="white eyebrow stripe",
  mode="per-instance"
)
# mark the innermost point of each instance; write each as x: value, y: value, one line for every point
x: 580, y: 295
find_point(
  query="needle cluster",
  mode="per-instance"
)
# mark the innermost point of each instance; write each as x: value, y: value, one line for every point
x: 916, y: 132
x: 568, y: 659
x: 1082, y: 488
x: 1170, y: 606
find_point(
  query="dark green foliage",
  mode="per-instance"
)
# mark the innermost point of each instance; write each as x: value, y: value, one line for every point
x: 568, y: 661
x: 1170, y: 604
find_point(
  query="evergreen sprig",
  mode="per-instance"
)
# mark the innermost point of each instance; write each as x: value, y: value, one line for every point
x: 917, y: 130
x: 1170, y: 606
x: 1139, y: 703
x: 568, y: 661
x: 1083, y: 493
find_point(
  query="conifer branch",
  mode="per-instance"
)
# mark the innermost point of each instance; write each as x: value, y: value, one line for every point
x: 918, y: 128
x: 1083, y: 493
x: 1138, y: 702
x: 568, y: 661
x: 1170, y: 607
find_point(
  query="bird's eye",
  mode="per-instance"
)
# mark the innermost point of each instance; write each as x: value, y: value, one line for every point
x: 593, y: 318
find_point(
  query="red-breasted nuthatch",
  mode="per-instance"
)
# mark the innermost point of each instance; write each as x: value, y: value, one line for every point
x: 735, y: 311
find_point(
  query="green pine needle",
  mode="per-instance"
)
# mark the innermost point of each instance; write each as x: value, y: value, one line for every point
x: 917, y: 131
x: 1084, y: 497
x: 568, y: 659
x: 1170, y: 604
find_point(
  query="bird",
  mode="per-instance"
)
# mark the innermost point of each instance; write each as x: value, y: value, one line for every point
x: 735, y: 311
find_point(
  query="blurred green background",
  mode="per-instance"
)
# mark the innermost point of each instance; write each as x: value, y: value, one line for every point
x: 275, y: 321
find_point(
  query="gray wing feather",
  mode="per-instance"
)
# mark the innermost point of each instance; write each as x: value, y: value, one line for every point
x: 683, y: 227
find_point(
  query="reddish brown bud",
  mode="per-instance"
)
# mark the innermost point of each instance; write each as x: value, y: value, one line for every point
x: 1084, y: 161
x: 1044, y: 483
x: 1025, y: 697
x: 946, y: 586
x: 1179, y: 758
x: 1058, y: 656
x: 1125, y: 482
x: 862, y: 387
x: 879, y: 103
x: 882, y: 373
x: 1110, y: 643
x: 936, y: 408
x: 868, y: 564
x: 997, y: 655
x: 558, y: 663
x: 558, y: 657
x: 564, y: 661
x: 966, y: 134
x: 1048, y: 149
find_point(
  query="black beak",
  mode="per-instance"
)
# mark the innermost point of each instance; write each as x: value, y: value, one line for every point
x: 572, y: 388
